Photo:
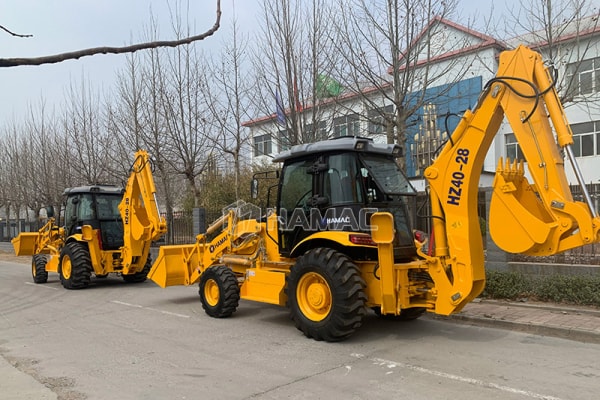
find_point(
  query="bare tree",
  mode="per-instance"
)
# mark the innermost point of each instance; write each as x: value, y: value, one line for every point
x: 186, y: 123
x: 228, y: 98
x: 563, y: 31
x: 389, y: 58
x: 49, y: 176
x: 292, y: 53
x: 13, y: 62
x: 89, y: 141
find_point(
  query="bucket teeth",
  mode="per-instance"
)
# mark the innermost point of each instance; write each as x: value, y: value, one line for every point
x: 510, y: 170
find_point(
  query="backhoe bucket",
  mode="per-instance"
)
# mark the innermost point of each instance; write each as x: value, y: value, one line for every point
x: 24, y: 244
x: 175, y: 265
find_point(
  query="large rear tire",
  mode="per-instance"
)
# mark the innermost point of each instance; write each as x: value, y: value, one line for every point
x: 326, y: 295
x: 75, y: 266
x: 38, y: 268
x: 219, y: 291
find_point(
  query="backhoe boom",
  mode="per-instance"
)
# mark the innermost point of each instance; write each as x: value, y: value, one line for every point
x: 142, y: 222
x: 539, y: 218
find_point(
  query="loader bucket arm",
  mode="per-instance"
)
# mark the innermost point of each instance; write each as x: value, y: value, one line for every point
x: 47, y: 240
x: 142, y: 222
x: 538, y: 218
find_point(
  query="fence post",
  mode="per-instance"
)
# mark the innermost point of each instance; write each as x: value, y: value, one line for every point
x: 198, y: 220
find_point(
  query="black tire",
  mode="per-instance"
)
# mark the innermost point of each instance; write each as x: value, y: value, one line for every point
x: 408, y: 314
x: 326, y: 295
x: 38, y: 268
x: 75, y: 266
x: 141, y: 276
x: 219, y: 291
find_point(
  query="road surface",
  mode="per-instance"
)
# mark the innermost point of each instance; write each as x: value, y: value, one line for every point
x: 138, y: 341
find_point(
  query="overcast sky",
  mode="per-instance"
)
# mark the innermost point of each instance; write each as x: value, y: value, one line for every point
x: 68, y: 25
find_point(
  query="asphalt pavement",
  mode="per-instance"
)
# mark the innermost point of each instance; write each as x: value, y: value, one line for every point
x: 563, y: 321
x: 569, y: 322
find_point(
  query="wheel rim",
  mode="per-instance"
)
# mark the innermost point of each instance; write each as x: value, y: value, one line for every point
x: 33, y: 270
x: 314, y: 296
x: 66, y: 267
x: 211, y: 292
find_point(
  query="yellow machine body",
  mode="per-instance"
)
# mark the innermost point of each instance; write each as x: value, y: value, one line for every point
x: 142, y: 224
x: 538, y: 218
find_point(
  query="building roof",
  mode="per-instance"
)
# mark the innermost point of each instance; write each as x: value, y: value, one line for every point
x: 323, y: 102
x: 587, y: 26
x: 483, y: 41
x: 576, y: 29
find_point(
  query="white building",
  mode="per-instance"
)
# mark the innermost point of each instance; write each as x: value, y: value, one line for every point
x: 467, y: 60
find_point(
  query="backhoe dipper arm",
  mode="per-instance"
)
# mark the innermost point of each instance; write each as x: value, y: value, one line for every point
x: 142, y: 222
x: 540, y: 218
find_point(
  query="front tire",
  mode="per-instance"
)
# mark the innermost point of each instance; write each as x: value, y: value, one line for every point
x: 38, y: 268
x: 219, y: 291
x: 326, y: 295
x: 75, y: 266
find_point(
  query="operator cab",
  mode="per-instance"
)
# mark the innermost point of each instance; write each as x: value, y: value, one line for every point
x: 336, y: 185
x: 97, y: 206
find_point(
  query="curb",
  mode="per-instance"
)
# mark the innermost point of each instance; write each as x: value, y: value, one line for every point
x: 543, y: 306
x: 490, y: 322
x: 492, y: 313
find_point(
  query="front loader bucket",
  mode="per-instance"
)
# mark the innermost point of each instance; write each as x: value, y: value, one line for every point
x: 175, y: 265
x: 24, y: 244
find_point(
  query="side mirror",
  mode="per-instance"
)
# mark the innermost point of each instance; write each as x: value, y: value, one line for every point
x: 50, y: 212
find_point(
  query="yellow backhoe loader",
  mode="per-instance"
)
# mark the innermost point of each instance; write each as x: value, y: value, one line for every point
x: 339, y: 241
x: 107, y: 229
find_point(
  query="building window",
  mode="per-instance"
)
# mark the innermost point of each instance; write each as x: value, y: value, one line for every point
x: 310, y: 135
x: 586, y: 138
x: 377, y: 122
x: 285, y: 141
x: 513, y: 150
x: 262, y: 145
x: 584, y: 77
x: 427, y: 141
x: 586, y: 141
x: 348, y: 125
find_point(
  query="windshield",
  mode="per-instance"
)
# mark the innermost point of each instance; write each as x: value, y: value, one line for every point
x: 387, y: 174
x: 107, y: 206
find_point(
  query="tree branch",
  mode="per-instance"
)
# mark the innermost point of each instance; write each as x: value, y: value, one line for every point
x: 12, y: 33
x: 73, y: 55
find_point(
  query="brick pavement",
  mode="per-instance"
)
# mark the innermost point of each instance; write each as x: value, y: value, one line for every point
x: 564, y: 321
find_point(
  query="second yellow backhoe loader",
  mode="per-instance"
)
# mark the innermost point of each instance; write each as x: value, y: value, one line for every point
x: 339, y: 241
x: 106, y: 229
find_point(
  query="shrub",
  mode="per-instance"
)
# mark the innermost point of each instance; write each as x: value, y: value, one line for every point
x: 506, y: 285
x: 571, y: 289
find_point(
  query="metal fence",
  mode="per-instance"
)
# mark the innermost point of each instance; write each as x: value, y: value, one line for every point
x: 183, y: 226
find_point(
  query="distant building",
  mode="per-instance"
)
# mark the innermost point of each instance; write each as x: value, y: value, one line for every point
x: 473, y: 58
